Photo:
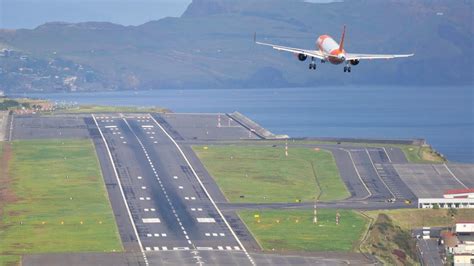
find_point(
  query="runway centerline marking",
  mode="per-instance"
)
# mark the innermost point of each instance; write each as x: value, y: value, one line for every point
x: 122, y: 192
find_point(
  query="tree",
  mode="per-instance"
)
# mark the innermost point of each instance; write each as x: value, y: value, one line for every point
x: 452, y: 212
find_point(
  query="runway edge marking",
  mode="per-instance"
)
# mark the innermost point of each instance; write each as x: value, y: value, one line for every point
x: 358, y: 174
x: 389, y: 159
x: 452, y: 174
x: 121, y: 191
x: 205, y: 190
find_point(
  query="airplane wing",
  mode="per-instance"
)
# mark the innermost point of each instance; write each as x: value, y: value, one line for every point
x: 350, y: 56
x: 310, y: 53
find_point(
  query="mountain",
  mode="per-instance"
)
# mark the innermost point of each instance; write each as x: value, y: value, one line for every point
x: 211, y: 46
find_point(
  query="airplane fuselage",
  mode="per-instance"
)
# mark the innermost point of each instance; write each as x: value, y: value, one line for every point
x: 328, y: 46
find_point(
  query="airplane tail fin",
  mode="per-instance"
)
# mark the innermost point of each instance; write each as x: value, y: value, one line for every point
x: 341, y: 43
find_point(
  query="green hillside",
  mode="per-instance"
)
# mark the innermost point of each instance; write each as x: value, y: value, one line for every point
x: 211, y: 45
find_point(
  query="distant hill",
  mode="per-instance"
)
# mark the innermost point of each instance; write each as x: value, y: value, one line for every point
x: 210, y: 46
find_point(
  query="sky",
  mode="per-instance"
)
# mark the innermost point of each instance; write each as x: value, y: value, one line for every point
x: 15, y: 14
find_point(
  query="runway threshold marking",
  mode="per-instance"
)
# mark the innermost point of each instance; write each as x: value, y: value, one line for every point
x: 122, y: 192
x: 204, y: 188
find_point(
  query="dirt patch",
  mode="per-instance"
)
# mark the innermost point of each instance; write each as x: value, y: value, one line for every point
x: 6, y: 193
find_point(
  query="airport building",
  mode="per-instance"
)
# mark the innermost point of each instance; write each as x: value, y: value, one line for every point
x: 454, y: 198
x: 460, y: 243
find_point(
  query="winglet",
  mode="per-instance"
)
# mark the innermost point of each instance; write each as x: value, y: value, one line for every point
x: 341, y: 44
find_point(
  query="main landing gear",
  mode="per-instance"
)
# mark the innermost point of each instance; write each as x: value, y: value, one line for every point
x: 347, y: 69
x: 312, y: 65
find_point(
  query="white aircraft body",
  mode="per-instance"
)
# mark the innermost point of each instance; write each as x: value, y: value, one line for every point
x: 328, y: 50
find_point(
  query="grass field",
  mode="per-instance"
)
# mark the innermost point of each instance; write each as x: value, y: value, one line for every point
x: 56, y: 201
x: 107, y: 109
x: 264, y: 174
x: 416, y: 218
x: 294, y: 230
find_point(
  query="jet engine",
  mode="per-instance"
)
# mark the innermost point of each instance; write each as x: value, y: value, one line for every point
x: 302, y: 57
x: 354, y: 62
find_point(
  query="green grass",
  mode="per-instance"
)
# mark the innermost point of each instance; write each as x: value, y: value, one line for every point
x: 9, y: 260
x: 55, y: 182
x: 265, y: 174
x: 414, y: 218
x: 294, y: 230
x: 109, y: 109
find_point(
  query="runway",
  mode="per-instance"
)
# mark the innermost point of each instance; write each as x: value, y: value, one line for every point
x: 170, y: 209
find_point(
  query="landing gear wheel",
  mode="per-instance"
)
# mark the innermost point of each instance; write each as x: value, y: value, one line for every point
x: 349, y: 69
x: 312, y: 66
x: 345, y: 69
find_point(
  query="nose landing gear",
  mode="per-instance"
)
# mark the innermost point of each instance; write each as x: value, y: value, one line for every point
x: 347, y: 69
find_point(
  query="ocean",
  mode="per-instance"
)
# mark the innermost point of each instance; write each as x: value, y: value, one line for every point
x: 444, y: 116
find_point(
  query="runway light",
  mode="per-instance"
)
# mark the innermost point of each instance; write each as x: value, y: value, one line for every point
x: 62, y: 222
x: 43, y: 222
x: 100, y: 222
x: 82, y: 222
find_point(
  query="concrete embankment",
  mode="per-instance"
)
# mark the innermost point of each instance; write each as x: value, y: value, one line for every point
x: 258, y: 130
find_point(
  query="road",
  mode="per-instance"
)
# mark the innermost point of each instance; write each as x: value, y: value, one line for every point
x: 430, y: 252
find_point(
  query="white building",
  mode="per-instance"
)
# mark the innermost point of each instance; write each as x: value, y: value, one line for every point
x: 454, y: 198
x: 463, y: 252
x: 465, y: 228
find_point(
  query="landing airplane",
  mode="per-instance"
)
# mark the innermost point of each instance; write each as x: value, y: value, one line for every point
x: 328, y: 50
